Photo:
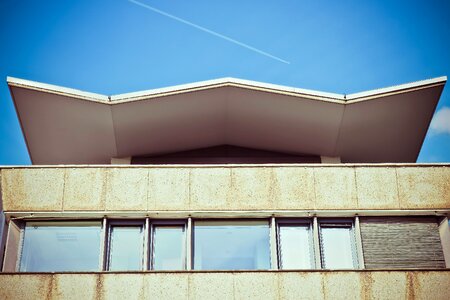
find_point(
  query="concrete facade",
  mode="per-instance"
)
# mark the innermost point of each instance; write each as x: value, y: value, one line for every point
x: 226, y: 188
x: 229, y: 285
x: 227, y: 191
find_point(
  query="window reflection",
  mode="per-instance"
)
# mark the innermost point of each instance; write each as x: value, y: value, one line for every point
x: 337, y: 242
x: 231, y: 245
x: 168, y: 247
x: 126, y: 248
x: 295, y: 246
x: 61, y: 246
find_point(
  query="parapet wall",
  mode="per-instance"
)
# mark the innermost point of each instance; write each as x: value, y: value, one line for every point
x: 234, y: 188
x: 229, y: 285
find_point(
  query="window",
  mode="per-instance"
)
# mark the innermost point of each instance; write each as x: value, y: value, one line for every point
x: 295, y: 245
x: 61, y: 246
x: 126, y: 247
x: 231, y: 245
x: 168, y: 248
x: 337, y: 245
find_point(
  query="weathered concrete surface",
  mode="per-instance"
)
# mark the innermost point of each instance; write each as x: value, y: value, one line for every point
x: 166, y: 286
x: 226, y: 188
x: 293, y: 188
x: 211, y: 286
x: 424, y: 187
x: 335, y: 188
x: 255, y: 286
x: 127, y: 189
x: 168, y: 189
x: 210, y: 188
x: 377, y: 188
x: 342, y: 285
x: 300, y: 285
x: 33, y: 189
x: 74, y: 287
x: 385, y: 285
x: 26, y: 287
x: 251, y: 188
x: 229, y: 285
x: 84, y: 189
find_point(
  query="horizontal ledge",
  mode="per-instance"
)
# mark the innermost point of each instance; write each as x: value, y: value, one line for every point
x: 199, y: 166
x: 230, y: 271
x: 223, y: 214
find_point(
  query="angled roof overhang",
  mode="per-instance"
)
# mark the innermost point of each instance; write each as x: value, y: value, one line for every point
x: 67, y: 126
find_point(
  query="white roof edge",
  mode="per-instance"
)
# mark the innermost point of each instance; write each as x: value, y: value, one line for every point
x: 173, y: 88
x: 225, y: 80
x: 55, y: 88
x: 396, y: 88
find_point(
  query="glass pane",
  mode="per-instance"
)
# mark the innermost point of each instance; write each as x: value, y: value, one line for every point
x: 61, y: 247
x: 126, y: 248
x: 337, y: 244
x: 295, y: 247
x: 231, y: 245
x: 168, y: 248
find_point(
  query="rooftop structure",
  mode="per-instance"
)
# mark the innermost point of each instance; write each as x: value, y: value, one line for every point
x: 226, y: 188
x: 66, y: 126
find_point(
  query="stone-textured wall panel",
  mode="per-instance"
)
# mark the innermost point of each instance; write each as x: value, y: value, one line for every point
x: 119, y: 287
x: 300, y: 285
x: 32, y: 189
x: 335, y: 188
x: 85, y: 189
x: 210, y: 188
x: 226, y: 188
x: 211, y: 286
x: 229, y: 285
x: 127, y: 189
x: 431, y: 285
x: 421, y: 187
x: 342, y: 285
x: 384, y: 285
x: 168, y: 189
x: 255, y: 286
x: 166, y: 286
x: 293, y: 188
x: 251, y: 188
x: 377, y: 188
x: 25, y: 287
x: 75, y: 286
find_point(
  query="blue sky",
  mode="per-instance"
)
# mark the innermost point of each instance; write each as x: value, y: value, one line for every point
x: 112, y: 47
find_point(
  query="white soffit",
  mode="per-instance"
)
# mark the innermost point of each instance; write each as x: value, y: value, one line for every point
x: 68, y: 126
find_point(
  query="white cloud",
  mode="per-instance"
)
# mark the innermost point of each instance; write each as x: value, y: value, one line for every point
x: 441, y: 121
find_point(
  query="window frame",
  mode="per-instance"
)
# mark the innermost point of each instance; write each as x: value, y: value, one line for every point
x: 293, y: 222
x: 23, y: 223
x: 151, y: 238
x: 237, y: 219
x: 108, y: 239
x: 315, y: 225
x: 339, y: 223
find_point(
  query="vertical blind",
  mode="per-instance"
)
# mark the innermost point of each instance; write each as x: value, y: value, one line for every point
x: 406, y: 242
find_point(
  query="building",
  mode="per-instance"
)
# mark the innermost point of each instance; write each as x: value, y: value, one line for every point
x: 225, y: 189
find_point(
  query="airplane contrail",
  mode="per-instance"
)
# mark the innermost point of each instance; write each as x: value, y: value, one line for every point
x: 209, y: 31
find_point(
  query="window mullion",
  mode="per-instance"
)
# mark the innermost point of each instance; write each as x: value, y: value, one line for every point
x: 147, y: 240
x: 103, y: 246
x: 273, y: 244
x: 188, y: 251
x: 359, y: 249
x: 316, y: 229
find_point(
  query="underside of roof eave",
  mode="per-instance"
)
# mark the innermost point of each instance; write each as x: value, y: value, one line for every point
x: 334, y: 124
